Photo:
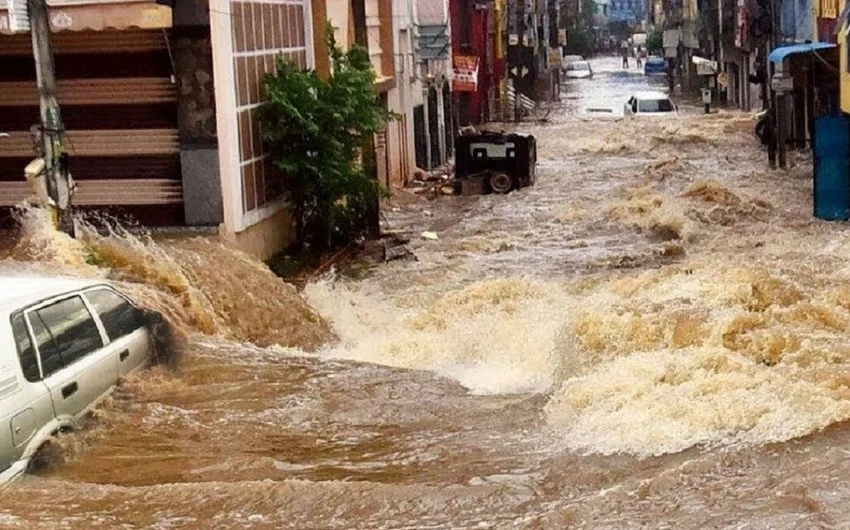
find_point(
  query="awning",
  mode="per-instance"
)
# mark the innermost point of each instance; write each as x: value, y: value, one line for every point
x: 135, y: 14
x: 779, y: 54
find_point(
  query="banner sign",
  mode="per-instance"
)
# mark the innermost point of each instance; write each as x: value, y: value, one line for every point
x: 465, y: 74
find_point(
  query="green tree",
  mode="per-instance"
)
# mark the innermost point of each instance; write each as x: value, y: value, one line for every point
x: 620, y: 29
x: 314, y: 130
x: 655, y: 42
x: 581, y: 38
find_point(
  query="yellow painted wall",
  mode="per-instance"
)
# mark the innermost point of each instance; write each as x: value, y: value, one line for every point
x: 842, y: 62
x: 266, y: 238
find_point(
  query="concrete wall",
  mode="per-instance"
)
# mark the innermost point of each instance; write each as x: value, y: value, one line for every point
x: 339, y: 13
x: 266, y: 238
x: 408, y: 86
x: 202, y: 201
x: 193, y: 63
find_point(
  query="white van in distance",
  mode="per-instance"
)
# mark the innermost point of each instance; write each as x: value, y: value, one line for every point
x: 64, y: 344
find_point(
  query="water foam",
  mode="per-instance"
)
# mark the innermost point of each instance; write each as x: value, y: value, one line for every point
x: 705, y: 354
x: 199, y: 284
x: 493, y: 336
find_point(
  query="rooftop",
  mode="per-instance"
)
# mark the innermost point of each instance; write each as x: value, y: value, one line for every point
x: 19, y: 291
x: 651, y: 94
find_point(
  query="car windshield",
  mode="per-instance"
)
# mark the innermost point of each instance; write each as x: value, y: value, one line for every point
x: 655, y: 105
x: 579, y: 65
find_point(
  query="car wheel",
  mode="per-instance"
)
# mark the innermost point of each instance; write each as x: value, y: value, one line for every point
x: 500, y: 183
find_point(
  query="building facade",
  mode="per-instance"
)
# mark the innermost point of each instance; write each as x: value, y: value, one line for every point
x: 161, y: 104
x: 630, y: 11
x: 434, y: 129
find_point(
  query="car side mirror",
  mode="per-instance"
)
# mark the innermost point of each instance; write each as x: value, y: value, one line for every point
x: 152, y: 318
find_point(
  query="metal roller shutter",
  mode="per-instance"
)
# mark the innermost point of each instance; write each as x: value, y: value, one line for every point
x: 119, y: 106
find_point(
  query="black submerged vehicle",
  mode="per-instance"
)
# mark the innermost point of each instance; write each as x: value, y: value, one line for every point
x: 494, y: 162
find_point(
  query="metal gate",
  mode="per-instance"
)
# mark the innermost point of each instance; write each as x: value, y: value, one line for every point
x: 832, y: 168
x: 119, y: 106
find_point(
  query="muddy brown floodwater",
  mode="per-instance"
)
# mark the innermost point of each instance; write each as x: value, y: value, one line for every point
x: 654, y: 336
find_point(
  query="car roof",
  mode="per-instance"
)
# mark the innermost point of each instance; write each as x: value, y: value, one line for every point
x: 20, y: 291
x: 649, y: 94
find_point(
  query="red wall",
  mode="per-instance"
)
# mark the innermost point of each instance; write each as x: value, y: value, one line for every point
x: 469, y: 37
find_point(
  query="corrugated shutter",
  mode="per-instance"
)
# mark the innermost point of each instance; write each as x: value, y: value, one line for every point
x: 19, y: 17
x: 119, y: 106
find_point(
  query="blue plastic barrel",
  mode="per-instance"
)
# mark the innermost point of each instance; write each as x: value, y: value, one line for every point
x: 832, y: 168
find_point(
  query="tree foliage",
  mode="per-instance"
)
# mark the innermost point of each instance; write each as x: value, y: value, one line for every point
x: 581, y: 37
x: 314, y: 130
x: 620, y: 29
x: 582, y: 42
x: 655, y: 42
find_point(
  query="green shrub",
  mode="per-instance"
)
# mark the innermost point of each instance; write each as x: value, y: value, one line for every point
x: 315, y: 130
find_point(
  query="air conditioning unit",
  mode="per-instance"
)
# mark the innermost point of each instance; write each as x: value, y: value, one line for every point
x: 19, y: 17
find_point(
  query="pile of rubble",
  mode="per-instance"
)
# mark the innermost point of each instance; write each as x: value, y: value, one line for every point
x: 434, y: 183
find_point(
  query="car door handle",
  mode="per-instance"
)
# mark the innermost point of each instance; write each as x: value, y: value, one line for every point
x: 69, y: 390
x: 123, y: 355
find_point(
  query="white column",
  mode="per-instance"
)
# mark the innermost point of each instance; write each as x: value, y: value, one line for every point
x: 221, y: 33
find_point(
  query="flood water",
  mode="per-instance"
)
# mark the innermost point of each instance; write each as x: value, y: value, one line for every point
x: 653, y: 336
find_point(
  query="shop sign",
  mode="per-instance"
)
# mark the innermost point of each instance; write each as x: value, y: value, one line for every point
x: 465, y: 73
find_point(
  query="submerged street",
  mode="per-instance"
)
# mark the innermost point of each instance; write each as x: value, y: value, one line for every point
x: 655, y: 335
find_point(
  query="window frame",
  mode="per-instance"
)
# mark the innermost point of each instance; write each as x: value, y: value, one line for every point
x: 21, y: 313
x: 28, y: 310
x: 98, y: 319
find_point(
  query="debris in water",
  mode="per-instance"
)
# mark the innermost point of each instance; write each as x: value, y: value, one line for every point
x: 663, y: 168
x: 400, y: 252
x: 725, y: 206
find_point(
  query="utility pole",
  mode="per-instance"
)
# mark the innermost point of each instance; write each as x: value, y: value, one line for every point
x: 57, y: 178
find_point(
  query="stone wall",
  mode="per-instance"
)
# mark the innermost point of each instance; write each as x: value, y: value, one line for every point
x: 196, y: 97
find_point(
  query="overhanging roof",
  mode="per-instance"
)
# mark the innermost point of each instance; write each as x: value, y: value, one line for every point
x: 779, y: 54
x: 98, y: 15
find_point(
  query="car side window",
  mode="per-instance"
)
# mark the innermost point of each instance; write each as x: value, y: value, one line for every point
x: 64, y: 332
x: 26, y: 352
x: 119, y: 317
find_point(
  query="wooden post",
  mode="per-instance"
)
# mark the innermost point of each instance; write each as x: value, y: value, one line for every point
x: 56, y: 174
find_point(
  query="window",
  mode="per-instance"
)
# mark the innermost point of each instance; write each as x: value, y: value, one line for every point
x: 64, y: 333
x: 119, y: 317
x: 26, y: 353
x: 656, y: 105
